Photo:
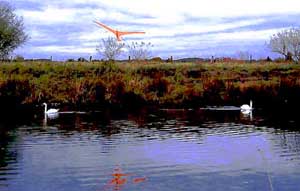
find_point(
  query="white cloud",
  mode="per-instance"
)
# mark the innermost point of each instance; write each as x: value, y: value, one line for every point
x: 52, y: 15
x: 163, y: 21
x: 195, y: 28
x: 162, y: 12
x: 37, y: 35
x: 65, y: 49
x: 247, y: 35
x: 204, y: 8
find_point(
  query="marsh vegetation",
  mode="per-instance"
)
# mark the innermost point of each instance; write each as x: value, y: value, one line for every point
x: 134, y: 84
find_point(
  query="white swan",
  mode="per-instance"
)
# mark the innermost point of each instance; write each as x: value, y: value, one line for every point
x: 50, y: 111
x: 247, y: 108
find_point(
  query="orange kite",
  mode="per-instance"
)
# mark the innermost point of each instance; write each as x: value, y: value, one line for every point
x: 116, y: 32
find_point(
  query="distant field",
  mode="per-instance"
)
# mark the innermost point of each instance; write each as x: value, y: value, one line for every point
x: 148, y: 83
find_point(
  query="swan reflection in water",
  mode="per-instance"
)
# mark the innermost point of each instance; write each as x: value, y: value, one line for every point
x: 246, y: 110
x: 49, y: 116
x: 247, y: 113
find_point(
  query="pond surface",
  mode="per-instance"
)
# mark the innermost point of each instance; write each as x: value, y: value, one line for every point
x: 162, y: 150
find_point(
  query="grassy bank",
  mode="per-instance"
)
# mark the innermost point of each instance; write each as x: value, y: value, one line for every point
x: 138, y: 84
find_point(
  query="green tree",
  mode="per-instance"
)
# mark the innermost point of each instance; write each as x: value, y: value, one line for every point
x: 12, y: 33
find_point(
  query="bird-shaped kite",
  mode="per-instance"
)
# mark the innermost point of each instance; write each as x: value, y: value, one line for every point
x: 116, y: 32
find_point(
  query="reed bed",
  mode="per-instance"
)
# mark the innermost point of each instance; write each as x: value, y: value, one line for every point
x: 134, y: 84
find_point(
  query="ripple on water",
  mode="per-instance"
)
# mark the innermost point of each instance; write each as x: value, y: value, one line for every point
x: 172, y: 153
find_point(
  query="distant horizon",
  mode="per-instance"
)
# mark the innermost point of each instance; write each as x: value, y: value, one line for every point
x: 216, y: 58
x: 64, y: 29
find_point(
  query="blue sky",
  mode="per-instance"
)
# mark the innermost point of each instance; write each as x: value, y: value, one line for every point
x: 190, y: 28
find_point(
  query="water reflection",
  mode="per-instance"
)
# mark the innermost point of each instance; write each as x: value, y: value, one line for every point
x: 120, y: 179
x: 165, y: 150
x: 247, y: 114
x: 8, y: 156
x: 50, y: 116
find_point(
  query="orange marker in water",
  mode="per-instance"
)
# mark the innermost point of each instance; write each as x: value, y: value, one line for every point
x: 139, y: 180
x: 119, y: 179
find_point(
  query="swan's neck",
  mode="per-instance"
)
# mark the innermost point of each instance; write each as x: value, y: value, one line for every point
x: 45, y: 108
x: 251, y: 104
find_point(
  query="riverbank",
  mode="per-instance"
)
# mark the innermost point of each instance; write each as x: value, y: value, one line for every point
x: 131, y: 85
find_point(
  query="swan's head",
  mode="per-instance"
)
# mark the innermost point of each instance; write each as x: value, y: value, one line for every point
x: 44, y: 104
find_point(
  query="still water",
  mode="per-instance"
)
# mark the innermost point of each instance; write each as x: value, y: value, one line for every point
x: 162, y: 150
